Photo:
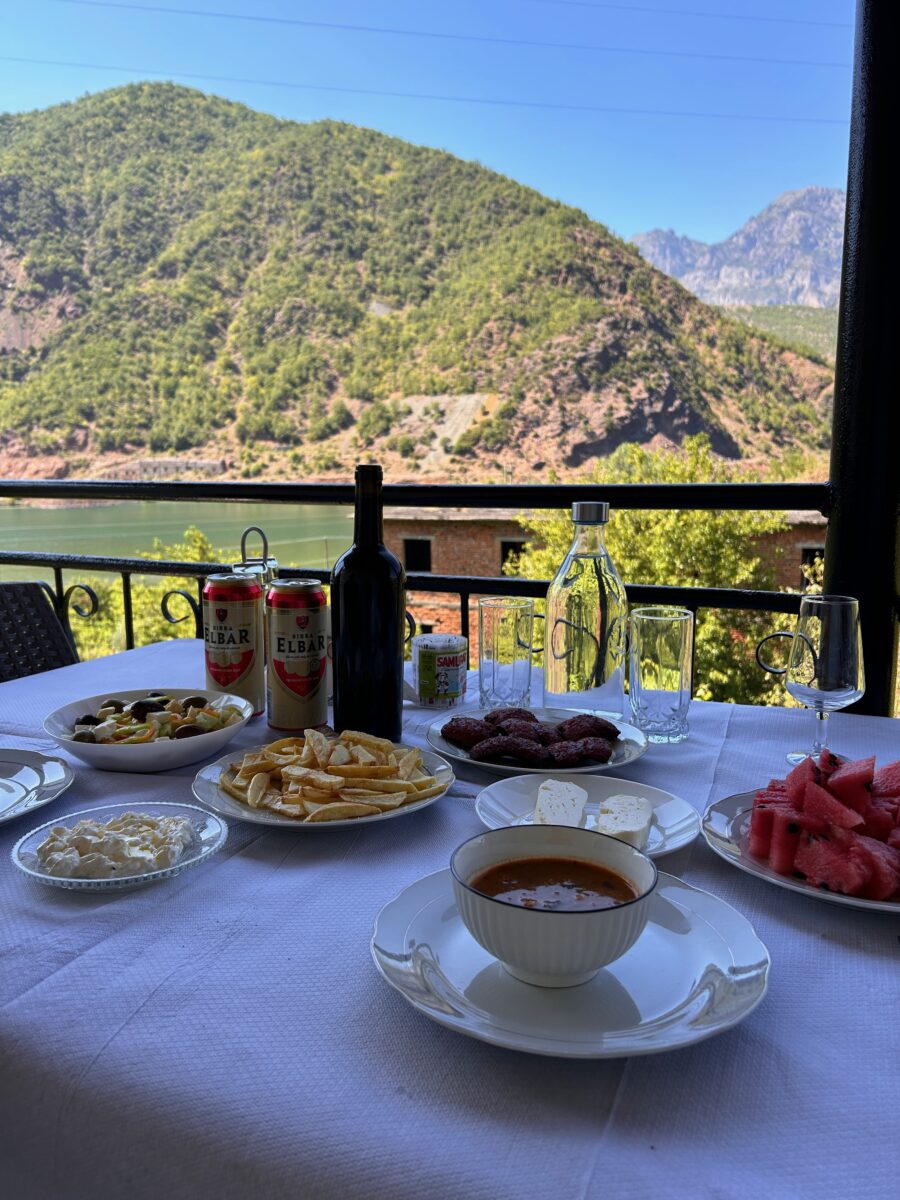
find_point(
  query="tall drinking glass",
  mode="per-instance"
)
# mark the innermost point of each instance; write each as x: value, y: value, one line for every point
x: 659, y: 671
x: 505, y: 625
x: 825, y: 670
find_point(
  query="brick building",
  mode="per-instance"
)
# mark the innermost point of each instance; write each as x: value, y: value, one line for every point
x: 459, y: 541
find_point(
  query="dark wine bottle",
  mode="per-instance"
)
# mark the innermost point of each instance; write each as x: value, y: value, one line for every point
x: 368, y: 607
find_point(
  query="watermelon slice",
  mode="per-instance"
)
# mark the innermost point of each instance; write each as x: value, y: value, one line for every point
x: 760, y: 831
x: 826, y: 861
x: 804, y: 773
x: 820, y: 803
x: 828, y: 764
x: 885, y: 864
x: 852, y: 783
x: 879, y: 824
x: 787, y: 828
x: 886, y: 781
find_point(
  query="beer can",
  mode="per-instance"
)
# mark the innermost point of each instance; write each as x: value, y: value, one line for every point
x: 233, y: 623
x: 297, y: 620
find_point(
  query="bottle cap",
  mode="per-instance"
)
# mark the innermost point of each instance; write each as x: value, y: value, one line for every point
x: 590, y: 512
x: 370, y: 471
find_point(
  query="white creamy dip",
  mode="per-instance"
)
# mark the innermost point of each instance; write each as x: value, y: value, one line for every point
x: 130, y: 844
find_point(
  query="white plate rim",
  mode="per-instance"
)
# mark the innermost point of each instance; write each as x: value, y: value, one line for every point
x: 740, y: 926
x: 206, y: 789
x: 46, y: 792
x: 717, y: 827
x: 124, y: 882
x: 653, y: 794
x: 634, y: 736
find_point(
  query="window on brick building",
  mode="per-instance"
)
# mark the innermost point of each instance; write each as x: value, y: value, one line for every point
x: 508, y: 547
x: 808, y: 555
x: 425, y: 627
x: 417, y: 554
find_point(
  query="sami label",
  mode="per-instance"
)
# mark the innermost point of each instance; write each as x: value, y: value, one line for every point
x: 439, y: 669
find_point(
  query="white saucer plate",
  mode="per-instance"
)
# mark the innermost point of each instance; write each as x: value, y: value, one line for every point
x: 29, y: 780
x: 726, y: 825
x: 207, y: 790
x: 698, y: 969
x: 511, y: 802
x: 211, y: 836
x: 630, y: 745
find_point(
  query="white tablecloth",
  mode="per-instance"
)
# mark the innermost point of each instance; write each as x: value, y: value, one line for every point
x: 225, y: 1034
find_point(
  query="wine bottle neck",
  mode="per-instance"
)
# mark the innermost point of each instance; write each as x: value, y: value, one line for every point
x: 368, y: 526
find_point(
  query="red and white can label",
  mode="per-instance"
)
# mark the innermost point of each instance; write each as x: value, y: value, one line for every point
x: 233, y: 647
x: 298, y: 662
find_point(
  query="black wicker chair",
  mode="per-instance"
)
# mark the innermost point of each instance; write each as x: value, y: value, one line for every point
x: 32, y: 638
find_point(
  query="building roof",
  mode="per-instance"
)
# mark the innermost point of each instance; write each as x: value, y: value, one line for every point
x: 396, y: 513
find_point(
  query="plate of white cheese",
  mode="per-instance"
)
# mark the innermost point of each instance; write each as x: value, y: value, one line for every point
x: 119, y: 846
x: 654, y: 821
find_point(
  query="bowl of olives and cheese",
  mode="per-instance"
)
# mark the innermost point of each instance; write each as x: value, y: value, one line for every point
x: 148, y: 730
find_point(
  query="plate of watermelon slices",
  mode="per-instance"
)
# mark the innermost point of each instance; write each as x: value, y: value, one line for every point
x: 830, y: 830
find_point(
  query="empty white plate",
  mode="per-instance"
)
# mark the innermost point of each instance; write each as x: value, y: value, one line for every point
x: 29, y: 780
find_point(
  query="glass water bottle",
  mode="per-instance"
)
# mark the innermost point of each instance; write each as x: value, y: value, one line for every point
x: 584, y: 639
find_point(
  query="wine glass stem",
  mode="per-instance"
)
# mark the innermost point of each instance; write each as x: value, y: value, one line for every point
x: 821, y: 733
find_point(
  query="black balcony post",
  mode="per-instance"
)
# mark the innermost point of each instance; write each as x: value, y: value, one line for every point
x: 861, y: 549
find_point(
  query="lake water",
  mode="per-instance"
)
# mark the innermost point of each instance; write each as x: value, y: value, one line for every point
x: 299, y: 535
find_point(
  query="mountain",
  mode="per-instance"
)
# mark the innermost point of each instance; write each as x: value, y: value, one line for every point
x: 790, y: 253
x: 180, y: 275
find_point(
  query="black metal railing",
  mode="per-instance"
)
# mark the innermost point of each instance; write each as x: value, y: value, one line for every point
x: 68, y: 597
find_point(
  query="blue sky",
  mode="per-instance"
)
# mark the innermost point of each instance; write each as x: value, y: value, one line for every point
x: 700, y: 174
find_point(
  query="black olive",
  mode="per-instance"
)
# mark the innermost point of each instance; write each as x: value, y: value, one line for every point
x: 195, y: 702
x: 158, y: 696
x: 88, y: 720
x: 84, y: 736
x: 117, y: 705
x: 186, y: 731
x: 140, y: 708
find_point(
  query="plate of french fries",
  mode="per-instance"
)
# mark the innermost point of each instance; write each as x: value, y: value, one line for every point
x: 323, y: 781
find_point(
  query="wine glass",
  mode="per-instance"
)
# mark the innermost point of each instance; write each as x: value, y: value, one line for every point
x: 825, y: 668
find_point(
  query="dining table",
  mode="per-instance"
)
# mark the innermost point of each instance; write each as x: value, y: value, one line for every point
x: 225, y: 1034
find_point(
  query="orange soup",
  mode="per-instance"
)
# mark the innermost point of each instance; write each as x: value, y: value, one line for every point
x: 554, y: 884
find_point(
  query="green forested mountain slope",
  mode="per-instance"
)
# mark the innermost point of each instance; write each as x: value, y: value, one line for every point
x: 177, y: 271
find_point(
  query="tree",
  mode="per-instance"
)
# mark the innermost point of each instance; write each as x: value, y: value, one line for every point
x: 705, y: 549
x: 104, y: 633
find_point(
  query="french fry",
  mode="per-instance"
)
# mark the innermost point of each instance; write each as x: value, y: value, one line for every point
x: 257, y: 788
x: 320, y: 745
x: 385, y: 785
x: 227, y: 785
x: 319, y: 778
x: 313, y: 793
x: 372, y: 743
x: 360, y: 771
x: 359, y: 754
x: 287, y: 745
x: 434, y: 790
x: 342, y: 811
x: 311, y: 778
x: 408, y: 763
x: 381, y: 800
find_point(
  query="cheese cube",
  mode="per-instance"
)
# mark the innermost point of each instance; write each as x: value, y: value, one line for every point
x: 625, y: 817
x: 559, y: 803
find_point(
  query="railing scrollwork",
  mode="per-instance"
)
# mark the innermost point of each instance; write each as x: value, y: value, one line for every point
x: 192, y: 604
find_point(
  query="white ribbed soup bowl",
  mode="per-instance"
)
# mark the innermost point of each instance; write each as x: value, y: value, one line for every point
x: 551, y: 948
